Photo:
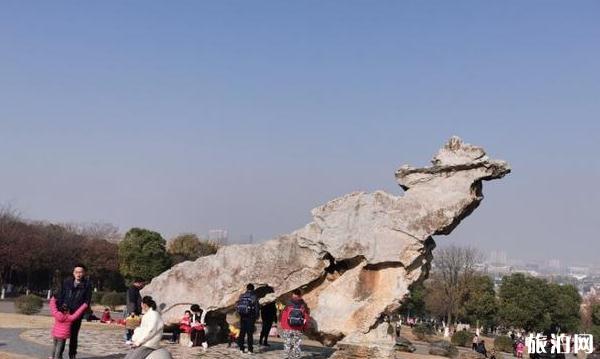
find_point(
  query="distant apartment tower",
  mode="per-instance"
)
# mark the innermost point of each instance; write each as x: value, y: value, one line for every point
x: 247, y: 238
x: 554, y: 264
x: 220, y: 236
x: 498, y: 258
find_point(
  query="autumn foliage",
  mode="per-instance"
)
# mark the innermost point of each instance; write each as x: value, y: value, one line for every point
x: 38, y: 255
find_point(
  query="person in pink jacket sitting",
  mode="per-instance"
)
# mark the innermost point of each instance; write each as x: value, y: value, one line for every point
x: 62, y: 326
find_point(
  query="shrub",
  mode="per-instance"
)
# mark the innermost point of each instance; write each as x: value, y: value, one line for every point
x: 423, y: 332
x: 503, y: 344
x: 462, y: 338
x: 29, y: 304
x: 112, y: 299
x: 443, y: 348
x: 97, y: 297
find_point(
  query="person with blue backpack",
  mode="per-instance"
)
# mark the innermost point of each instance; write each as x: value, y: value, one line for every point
x: 248, y: 310
x: 295, y: 318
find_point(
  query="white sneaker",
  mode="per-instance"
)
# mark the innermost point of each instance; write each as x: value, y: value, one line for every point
x: 129, y: 342
x: 190, y: 344
x: 204, y: 346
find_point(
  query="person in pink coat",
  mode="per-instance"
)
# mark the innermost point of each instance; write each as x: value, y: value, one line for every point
x: 520, y: 349
x: 62, y: 326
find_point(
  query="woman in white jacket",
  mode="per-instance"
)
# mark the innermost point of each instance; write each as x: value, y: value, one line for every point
x: 146, y: 338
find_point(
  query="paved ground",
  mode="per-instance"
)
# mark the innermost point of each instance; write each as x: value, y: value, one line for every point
x: 11, y: 342
x: 30, y: 336
x: 109, y: 344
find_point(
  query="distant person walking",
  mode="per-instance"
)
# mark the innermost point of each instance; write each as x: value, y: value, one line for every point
x: 248, y: 309
x: 146, y: 338
x: 475, y: 342
x: 481, y: 348
x: 520, y: 348
x: 133, y: 303
x: 268, y: 315
x: 61, y: 331
x: 74, y: 293
x: 294, y: 320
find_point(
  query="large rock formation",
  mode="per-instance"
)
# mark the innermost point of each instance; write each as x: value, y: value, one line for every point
x: 357, y: 258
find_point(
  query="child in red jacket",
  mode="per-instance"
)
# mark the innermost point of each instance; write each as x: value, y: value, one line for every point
x: 295, y: 318
x: 106, y: 317
x: 62, y: 326
x: 185, y: 324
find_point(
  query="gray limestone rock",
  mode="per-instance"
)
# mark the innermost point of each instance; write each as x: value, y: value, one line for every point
x: 357, y: 258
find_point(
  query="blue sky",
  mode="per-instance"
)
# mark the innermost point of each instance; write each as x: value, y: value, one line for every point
x: 191, y: 115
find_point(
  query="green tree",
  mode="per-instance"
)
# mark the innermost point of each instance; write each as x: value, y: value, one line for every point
x: 142, y: 254
x: 534, y: 304
x: 208, y: 247
x: 414, y: 303
x: 480, y: 304
x: 184, y: 247
x: 595, y: 314
x: 188, y: 247
x: 521, y: 302
x: 563, y: 305
x: 595, y: 321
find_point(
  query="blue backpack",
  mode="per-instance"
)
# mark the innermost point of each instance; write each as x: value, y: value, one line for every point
x: 246, y: 306
x: 296, y: 317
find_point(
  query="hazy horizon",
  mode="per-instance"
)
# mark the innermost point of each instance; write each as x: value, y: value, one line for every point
x: 190, y: 116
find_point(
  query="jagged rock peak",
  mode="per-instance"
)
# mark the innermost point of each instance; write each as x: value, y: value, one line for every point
x: 453, y: 157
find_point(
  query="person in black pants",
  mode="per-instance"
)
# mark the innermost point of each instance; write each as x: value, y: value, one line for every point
x: 268, y: 315
x: 133, y: 303
x: 75, y: 292
x: 248, y: 309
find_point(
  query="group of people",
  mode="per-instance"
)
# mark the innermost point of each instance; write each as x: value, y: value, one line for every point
x: 144, y: 324
x: 67, y: 308
x: 295, y: 319
x: 75, y: 297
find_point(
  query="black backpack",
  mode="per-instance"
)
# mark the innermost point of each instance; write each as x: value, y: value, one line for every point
x: 296, y: 317
x: 246, y: 306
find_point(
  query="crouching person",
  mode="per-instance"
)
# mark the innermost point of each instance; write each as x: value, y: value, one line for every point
x: 294, y: 320
x: 146, y: 338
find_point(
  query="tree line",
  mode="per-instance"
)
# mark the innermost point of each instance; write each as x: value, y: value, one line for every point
x: 456, y: 292
x: 37, y: 255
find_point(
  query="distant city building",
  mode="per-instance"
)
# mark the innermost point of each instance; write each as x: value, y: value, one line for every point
x: 554, y: 264
x: 247, y: 239
x: 579, y: 272
x: 498, y: 258
x: 221, y: 236
x: 532, y: 273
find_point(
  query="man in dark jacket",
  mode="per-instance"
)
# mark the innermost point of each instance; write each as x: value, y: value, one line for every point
x: 133, y: 301
x: 134, y: 298
x: 248, y: 309
x: 481, y: 348
x: 268, y: 315
x: 74, y: 292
